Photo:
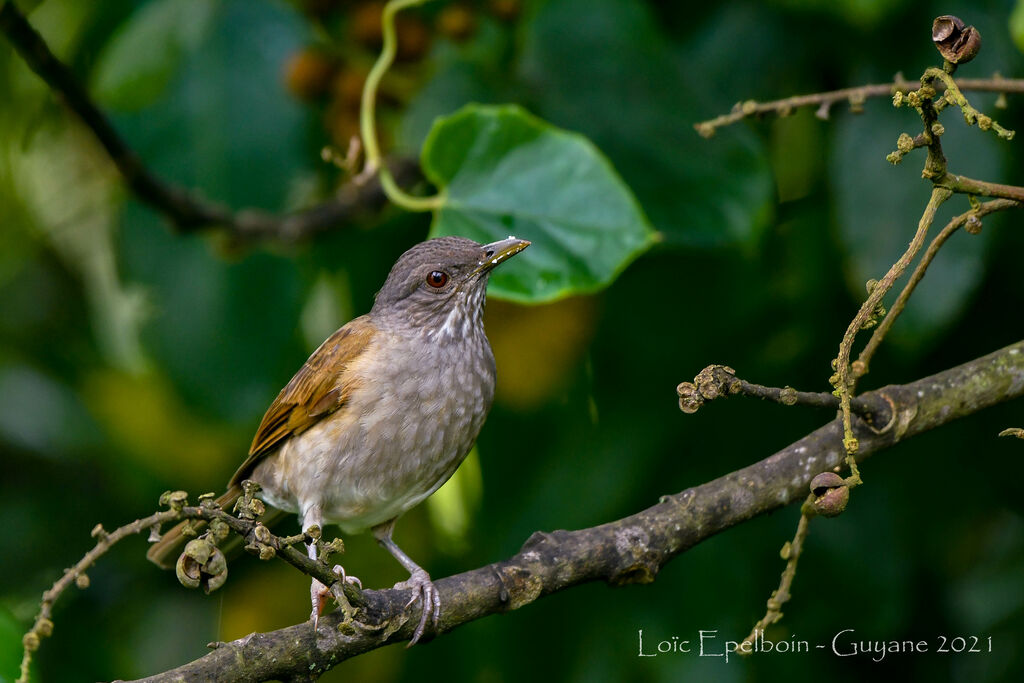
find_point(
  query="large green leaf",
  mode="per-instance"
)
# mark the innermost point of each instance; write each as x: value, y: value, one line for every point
x: 142, y: 57
x: 504, y: 172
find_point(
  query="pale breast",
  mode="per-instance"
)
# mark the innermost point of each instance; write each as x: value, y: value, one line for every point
x: 415, y: 414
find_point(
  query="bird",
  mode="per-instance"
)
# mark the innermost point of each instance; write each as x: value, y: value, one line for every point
x: 383, y: 412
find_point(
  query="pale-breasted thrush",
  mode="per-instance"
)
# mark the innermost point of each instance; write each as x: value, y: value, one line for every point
x: 382, y: 414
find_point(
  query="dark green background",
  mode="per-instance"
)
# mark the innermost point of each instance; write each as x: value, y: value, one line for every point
x: 133, y: 360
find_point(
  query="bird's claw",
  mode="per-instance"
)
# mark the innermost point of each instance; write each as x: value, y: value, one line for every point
x: 425, y: 590
x: 318, y: 592
x: 339, y: 571
x: 318, y: 596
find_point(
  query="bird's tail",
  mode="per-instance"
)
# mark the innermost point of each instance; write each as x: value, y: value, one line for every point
x: 164, y: 553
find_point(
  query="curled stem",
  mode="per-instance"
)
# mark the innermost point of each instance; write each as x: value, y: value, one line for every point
x: 367, y: 115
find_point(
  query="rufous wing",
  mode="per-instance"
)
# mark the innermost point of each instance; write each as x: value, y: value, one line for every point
x: 319, y: 388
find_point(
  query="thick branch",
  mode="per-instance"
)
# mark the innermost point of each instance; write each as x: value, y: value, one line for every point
x: 630, y: 550
x: 186, y: 211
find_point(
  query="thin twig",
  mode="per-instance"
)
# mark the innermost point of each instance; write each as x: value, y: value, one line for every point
x: 854, y: 96
x: 953, y: 95
x: 928, y: 103
x: 716, y: 381
x: 842, y: 378
x: 249, y: 529
x: 186, y: 211
x: 791, y: 552
x: 42, y: 627
x: 981, y: 188
x: 864, y: 359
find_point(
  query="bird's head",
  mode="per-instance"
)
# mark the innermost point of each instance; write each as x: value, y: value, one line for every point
x: 441, y: 283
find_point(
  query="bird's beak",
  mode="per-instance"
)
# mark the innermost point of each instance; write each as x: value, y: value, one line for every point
x: 496, y: 252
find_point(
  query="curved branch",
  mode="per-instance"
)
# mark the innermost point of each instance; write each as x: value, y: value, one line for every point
x: 630, y: 550
x: 186, y: 211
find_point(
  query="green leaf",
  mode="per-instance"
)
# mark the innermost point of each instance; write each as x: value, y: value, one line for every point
x: 142, y: 57
x: 505, y: 172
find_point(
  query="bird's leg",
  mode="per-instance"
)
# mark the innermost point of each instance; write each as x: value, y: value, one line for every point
x: 418, y: 580
x: 313, y: 517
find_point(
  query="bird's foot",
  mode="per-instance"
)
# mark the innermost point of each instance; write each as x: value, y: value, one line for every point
x: 339, y: 571
x: 318, y: 596
x: 420, y: 582
x: 338, y: 591
x: 318, y: 593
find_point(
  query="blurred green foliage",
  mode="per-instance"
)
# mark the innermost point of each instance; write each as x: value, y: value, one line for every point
x: 133, y: 360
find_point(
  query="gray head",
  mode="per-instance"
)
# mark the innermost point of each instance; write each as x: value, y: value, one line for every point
x: 441, y: 282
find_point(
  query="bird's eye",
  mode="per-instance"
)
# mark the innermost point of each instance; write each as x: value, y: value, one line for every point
x: 437, y: 279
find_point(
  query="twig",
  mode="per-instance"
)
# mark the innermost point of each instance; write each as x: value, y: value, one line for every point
x: 855, y: 96
x: 791, y: 554
x: 953, y: 95
x: 630, y: 550
x: 256, y: 535
x: 842, y: 378
x: 42, y: 627
x: 716, y: 381
x: 973, y: 216
x: 944, y: 183
x: 186, y: 212
x: 981, y: 188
